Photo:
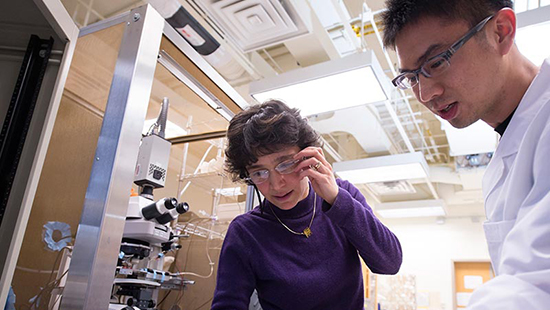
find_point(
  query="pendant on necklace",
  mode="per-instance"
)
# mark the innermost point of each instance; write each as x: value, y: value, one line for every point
x: 307, y: 232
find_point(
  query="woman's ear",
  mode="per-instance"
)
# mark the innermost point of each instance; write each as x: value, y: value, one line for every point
x: 505, y: 30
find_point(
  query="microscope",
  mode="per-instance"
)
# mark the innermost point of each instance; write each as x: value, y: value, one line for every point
x: 148, y: 236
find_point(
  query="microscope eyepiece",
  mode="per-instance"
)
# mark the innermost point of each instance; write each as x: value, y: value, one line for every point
x: 158, y: 208
x: 170, y: 203
x: 172, y: 214
x: 182, y: 207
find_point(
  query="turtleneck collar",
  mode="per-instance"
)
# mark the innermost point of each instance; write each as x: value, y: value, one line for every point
x: 302, y: 208
x: 502, y: 127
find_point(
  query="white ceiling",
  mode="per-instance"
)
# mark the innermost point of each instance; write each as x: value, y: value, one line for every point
x: 329, y: 33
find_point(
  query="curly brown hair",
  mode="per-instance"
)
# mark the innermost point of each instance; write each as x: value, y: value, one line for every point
x: 262, y: 130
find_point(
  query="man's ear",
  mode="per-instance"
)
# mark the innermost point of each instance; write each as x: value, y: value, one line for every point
x: 505, y: 30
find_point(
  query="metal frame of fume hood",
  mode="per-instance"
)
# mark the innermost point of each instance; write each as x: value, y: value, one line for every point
x: 97, y: 243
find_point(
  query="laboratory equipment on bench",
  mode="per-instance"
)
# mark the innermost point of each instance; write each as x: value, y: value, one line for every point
x: 148, y: 236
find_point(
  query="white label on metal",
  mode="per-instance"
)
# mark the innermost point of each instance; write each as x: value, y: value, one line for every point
x: 191, y: 35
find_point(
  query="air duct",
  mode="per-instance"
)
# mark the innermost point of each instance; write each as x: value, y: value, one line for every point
x: 195, y: 34
x: 257, y: 24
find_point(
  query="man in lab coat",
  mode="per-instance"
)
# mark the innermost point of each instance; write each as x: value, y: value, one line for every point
x: 460, y: 60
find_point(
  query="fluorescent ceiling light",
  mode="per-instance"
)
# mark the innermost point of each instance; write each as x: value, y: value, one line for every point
x: 521, y: 6
x: 533, y: 26
x: 354, y: 80
x: 383, y: 168
x: 172, y: 130
x: 412, y: 212
x: 530, y: 43
x: 413, y: 208
x: 474, y: 139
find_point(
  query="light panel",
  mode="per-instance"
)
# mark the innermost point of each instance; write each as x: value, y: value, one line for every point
x: 533, y: 26
x: 338, y: 84
x: 530, y: 44
x: 383, y: 168
x: 474, y: 139
x: 412, y: 212
x: 413, y: 208
x: 333, y: 92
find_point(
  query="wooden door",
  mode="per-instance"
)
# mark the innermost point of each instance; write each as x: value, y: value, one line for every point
x: 467, y: 277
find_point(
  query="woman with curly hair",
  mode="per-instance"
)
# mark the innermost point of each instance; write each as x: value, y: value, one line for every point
x: 301, y: 247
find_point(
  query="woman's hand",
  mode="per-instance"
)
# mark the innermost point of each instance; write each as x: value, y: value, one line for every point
x: 319, y: 172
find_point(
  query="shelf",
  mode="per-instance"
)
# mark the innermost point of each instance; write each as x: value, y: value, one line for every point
x: 210, y: 181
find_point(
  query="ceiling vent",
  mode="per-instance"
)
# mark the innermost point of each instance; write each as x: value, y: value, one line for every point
x: 256, y: 24
x: 402, y: 187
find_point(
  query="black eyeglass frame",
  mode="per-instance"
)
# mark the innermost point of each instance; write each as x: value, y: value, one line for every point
x: 446, y: 56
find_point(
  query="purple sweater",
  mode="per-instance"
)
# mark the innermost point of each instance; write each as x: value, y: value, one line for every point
x: 294, y: 272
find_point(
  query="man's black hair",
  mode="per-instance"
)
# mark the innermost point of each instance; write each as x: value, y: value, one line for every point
x: 402, y: 13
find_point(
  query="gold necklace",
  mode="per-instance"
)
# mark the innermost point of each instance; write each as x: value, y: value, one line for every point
x: 307, y: 231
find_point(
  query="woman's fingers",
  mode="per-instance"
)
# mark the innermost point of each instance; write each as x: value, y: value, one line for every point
x: 319, y: 171
x: 312, y: 157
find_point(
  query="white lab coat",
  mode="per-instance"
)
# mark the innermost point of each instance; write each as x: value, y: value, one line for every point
x: 516, y: 187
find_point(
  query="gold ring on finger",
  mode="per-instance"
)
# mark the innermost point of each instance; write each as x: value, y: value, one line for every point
x: 317, y: 166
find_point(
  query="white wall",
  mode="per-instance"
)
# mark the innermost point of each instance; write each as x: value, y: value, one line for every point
x: 429, y: 249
